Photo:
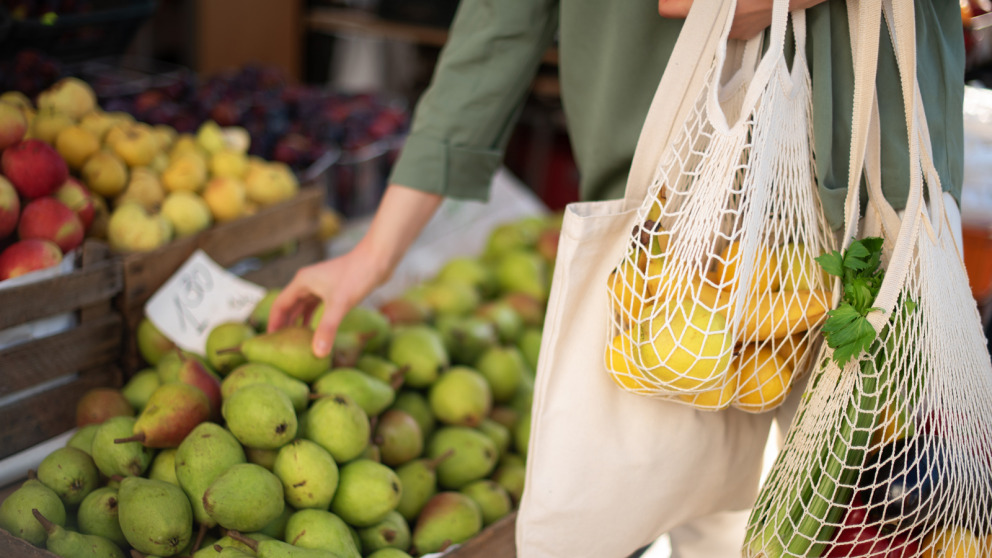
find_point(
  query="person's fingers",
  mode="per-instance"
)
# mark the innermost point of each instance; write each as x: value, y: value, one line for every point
x: 674, y: 9
x: 286, y: 306
x: 323, y: 335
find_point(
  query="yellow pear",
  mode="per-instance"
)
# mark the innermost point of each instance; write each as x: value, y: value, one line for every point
x: 143, y: 188
x: 210, y: 137
x: 229, y: 163
x: 764, y: 379
x: 686, y: 346
x: 132, y: 229
x: 165, y: 135
x: 105, y: 173
x: 270, y: 183
x: 160, y: 162
x: 187, y: 212
x: 71, y: 96
x: 765, y: 276
x: 187, y: 172
x: 47, y: 124
x: 76, y: 144
x: 138, y: 145
x: 225, y: 196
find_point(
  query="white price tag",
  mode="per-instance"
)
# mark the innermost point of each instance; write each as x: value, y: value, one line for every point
x: 199, y: 296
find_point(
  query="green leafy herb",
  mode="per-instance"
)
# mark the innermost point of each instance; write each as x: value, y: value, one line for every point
x: 847, y: 330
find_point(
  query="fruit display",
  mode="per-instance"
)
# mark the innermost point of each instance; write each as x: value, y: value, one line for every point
x: 410, y: 437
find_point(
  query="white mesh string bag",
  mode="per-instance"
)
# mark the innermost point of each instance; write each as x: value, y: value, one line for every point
x: 717, y: 299
x: 890, y: 454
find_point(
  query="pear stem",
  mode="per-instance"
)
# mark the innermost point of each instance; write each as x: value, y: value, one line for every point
x: 139, y: 437
x: 252, y: 543
x: 45, y: 523
x: 199, y: 538
x: 397, y: 379
x: 32, y: 474
x: 437, y: 461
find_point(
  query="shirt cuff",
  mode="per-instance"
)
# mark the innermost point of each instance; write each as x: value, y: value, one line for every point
x: 434, y: 166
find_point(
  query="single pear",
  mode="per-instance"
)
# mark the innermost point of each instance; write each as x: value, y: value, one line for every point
x: 510, y: 236
x: 419, y: 480
x: 391, y: 532
x: 339, y: 425
x: 363, y: 319
x: 466, y: 337
x: 509, y: 325
x: 389, y: 553
x: 503, y: 369
x: 260, y: 416
x: 501, y: 436
x: 450, y: 296
x: 379, y: 367
x: 97, y: 515
x: 16, y: 515
x: 228, y: 545
x: 246, y: 497
x: 173, y: 410
x: 530, y: 347
x: 100, y: 403
x: 155, y: 516
x: 367, y: 492
x: 530, y: 308
x: 259, y: 317
x: 222, y: 336
x: 416, y: 405
x: 510, y: 475
x: 421, y: 349
x: 264, y: 457
x: 475, y: 455
x: 321, y: 530
x: 448, y: 518
x: 152, y: 343
x: 163, y: 467
x: 505, y: 415
x: 471, y: 270
x: 124, y: 459
x: 288, y: 350
x: 195, y: 372
x: 460, y: 397
x: 403, y: 311
x: 268, y: 548
x: 308, y: 473
x: 493, y: 500
x: 83, y: 438
x: 71, y: 473
x: 69, y: 544
x: 256, y: 373
x: 372, y: 395
x: 140, y: 387
x: 277, y: 527
x: 398, y: 437
x: 203, y: 455
x: 521, y: 434
x: 349, y: 346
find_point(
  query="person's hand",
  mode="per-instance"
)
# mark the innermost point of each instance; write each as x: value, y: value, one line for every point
x: 750, y: 18
x: 341, y: 283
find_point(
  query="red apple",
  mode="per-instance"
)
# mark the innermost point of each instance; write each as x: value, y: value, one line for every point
x: 49, y: 219
x: 10, y: 207
x: 27, y: 256
x: 34, y: 168
x: 13, y: 124
x: 77, y: 198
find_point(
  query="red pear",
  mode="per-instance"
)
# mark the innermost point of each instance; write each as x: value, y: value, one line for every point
x: 194, y: 373
x: 172, y: 412
x: 99, y: 404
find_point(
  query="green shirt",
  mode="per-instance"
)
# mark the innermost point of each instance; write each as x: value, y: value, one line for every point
x: 612, y: 54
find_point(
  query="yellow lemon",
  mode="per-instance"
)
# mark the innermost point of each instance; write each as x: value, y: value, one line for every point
x: 687, y: 346
x: 619, y: 362
x: 792, y: 349
x: 765, y: 277
x: 716, y: 398
x: 629, y: 291
x: 954, y: 542
x: 764, y: 379
x: 778, y: 315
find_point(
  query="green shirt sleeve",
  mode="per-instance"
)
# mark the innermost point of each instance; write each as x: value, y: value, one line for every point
x: 464, y: 119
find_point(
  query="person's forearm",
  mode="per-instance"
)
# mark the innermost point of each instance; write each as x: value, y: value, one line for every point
x: 402, y: 214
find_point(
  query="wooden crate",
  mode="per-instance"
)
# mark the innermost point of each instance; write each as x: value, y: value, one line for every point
x: 70, y: 362
x: 261, y: 239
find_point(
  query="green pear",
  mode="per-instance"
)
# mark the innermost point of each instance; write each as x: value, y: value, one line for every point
x: 216, y: 550
x: 16, y: 515
x: 203, y: 455
x: 503, y: 369
x: 469, y: 270
x: 416, y: 405
x: 97, y: 515
x: 263, y: 457
x: 322, y: 530
x: 246, y: 497
x: 362, y: 319
x: 419, y: 480
x: 308, y: 473
x: 493, y: 500
x: 521, y: 434
x: 391, y: 532
x: 398, y: 437
x: 71, y: 473
x: 259, y: 317
x: 389, y: 553
x: 420, y: 348
x: 510, y: 475
x: 372, y: 453
x: 152, y: 343
x: 222, y: 336
x: 124, y: 459
x: 82, y: 439
x: 170, y: 363
x: 451, y: 296
x: 260, y: 416
x: 173, y: 410
x: 379, y: 367
x: 529, y: 307
x: 163, y: 467
x: 268, y: 548
x: 508, y: 324
x: 461, y: 397
x: 288, y: 350
x: 276, y: 528
x: 523, y: 399
x: 466, y: 337
x: 155, y: 516
x: 69, y: 544
x: 506, y: 416
x: 501, y: 436
x: 448, y: 518
x: 340, y: 426
x: 523, y: 271
x: 367, y: 492
x: 508, y: 237
x: 530, y: 347
x: 372, y: 395
x: 475, y: 455
x: 140, y: 387
x: 255, y: 373
x: 229, y: 544
x: 405, y: 311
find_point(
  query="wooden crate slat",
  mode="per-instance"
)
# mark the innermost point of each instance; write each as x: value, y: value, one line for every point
x: 495, y: 541
x: 47, y: 414
x: 82, y: 347
x: 82, y: 287
x: 13, y: 546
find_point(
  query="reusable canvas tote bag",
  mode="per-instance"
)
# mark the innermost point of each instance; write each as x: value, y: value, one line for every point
x: 609, y: 471
x: 890, y: 455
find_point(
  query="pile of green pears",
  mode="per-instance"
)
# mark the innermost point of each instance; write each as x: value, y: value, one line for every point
x: 409, y: 438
